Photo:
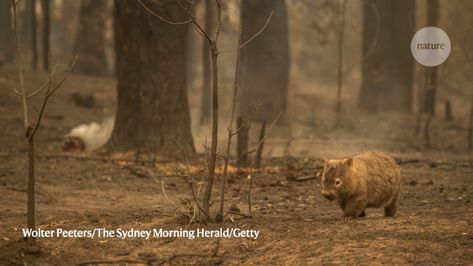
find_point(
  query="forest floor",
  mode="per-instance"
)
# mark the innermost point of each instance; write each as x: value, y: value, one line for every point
x: 434, y: 224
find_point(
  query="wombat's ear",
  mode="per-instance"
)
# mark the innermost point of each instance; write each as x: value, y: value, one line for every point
x: 349, y: 162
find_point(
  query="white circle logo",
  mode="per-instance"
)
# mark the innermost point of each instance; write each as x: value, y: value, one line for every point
x: 430, y: 46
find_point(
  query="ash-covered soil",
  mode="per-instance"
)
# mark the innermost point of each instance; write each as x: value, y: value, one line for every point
x: 297, y: 225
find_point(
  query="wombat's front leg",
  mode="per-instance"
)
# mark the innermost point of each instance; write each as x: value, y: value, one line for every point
x: 390, y: 210
x: 342, y: 203
x: 353, y: 209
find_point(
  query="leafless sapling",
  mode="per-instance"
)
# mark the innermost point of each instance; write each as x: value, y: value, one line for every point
x: 212, y: 41
x: 32, y: 128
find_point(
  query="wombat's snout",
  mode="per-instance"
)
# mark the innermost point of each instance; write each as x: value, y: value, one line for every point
x: 328, y: 196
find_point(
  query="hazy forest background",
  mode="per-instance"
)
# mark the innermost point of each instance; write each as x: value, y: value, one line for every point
x: 129, y: 102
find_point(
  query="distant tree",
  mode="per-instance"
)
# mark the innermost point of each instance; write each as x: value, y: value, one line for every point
x: 431, y: 72
x: 31, y: 14
x: 90, y: 40
x: 387, y: 71
x: 46, y: 30
x: 152, y: 109
x: 206, y: 69
x: 191, y: 51
x: 6, y: 38
x: 264, y: 62
x: 25, y: 30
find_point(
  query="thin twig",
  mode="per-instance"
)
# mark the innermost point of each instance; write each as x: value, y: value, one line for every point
x: 197, y: 26
x: 46, y: 82
x: 230, y: 126
x: 161, y: 17
x: 252, y: 37
x: 179, y: 210
x: 264, y: 138
x: 194, y: 196
x: 219, y: 19
x: 250, y: 186
x: 50, y: 92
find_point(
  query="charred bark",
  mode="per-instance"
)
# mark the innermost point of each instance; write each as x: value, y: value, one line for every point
x: 90, y: 41
x: 387, y: 71
x: 152, y: 109
x: 6, y: 34
x: 46, y: 31
x: 264, y: 64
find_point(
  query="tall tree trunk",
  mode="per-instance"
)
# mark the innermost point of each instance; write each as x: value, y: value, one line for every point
x: 340, y: 41
x: 6, y: 38
x: 46, y: 30
x: 90, y: 40
x: 68, y: 26
x: 264, y: 64
x: 152, y: 109
x: 431, y: 72
x: 387, y: 71
x: 210, y: 20
x: 191, y: 53
x: 26, y: 22
x: 33, y: 40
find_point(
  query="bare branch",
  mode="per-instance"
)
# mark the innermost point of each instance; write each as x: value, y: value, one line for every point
x: 161, y: 17
x: 192, y: 20
x: 219, y: 19
x: 181, y: 211
x: 50, y: 92
x: 194, y: 196
x: 263, y: 138
x: 252, y: 37
x: 17, y: 92
x: 46, y: 82
x: 197, y: 26
x: 65, y: 76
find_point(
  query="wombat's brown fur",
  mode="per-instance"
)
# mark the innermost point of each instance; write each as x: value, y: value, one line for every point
x: 368, y: 180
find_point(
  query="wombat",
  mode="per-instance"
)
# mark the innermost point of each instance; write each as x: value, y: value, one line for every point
x: 368, y: 180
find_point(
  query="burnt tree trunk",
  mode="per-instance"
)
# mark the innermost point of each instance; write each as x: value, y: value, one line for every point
x: 90, y: 40
x: 33, y: 39
x: 25, y: 25
x: 264, y: 62
x: 6, y: 38
x: 152, y: 109
x: 431, y: 72
x: 387, y: 71
x: 45, y: 33
x: 191, y: 51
